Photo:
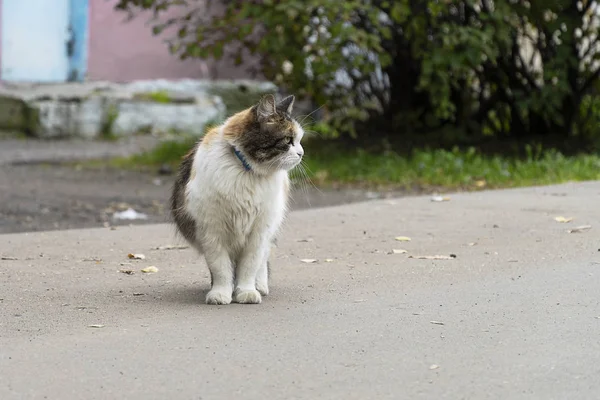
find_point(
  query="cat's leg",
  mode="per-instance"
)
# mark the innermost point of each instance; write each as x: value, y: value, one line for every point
x: 250, y: 265
x: 262, y: 279
x: 264, y: 273
x: 221, y: 273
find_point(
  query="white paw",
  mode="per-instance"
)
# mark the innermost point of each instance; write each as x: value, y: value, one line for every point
x: 263, y: 288
x: 247, y: 296
x: 218, y: 297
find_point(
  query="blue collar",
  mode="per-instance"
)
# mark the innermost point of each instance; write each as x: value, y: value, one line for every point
x: 241, y: 157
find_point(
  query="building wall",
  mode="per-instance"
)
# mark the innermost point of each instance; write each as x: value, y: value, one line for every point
x: 122, y: 50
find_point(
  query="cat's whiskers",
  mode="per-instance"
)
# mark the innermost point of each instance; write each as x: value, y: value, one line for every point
x: 304, y: 180
x: 307, y: 173
x: 308, y: 115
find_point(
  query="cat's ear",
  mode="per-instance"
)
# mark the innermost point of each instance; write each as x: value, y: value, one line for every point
x: 266, y: 107
x: 286, y: 104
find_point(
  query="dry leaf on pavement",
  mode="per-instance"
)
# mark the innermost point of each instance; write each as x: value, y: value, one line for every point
x: 96, y: 326
x: 171, y: 247
x: 127, y: 271
x: 579, y: 229
x: 136, y: 256
x: 402, y: 239
x: 563, y: 220
x: 436, y: 257
x: 439, y: 199
x: 437, y: 322
x: 149, y: 270
x: 94, y: 259
x: 399, y: 251
x: 308, y: 260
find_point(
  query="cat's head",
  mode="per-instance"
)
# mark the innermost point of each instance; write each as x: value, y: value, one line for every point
x: 269, y: 137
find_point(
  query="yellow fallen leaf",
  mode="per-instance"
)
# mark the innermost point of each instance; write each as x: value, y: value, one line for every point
x: 563, y: 219
x: 399, y: 251
x: 136, y: 256
x: 149, y: 270
x: 434, y: 366
x: 403, y: 239
x: 328, y: 260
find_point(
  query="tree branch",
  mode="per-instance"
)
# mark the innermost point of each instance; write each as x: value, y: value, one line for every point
x: 590, y: 81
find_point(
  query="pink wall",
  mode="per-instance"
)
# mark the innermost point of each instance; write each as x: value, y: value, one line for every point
x: 121, y: 50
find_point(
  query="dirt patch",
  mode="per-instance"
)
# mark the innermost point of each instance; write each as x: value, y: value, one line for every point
x: 50, y: 197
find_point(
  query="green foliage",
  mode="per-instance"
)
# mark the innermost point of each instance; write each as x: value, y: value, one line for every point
x: 106, y: 131
x: 450, y: 169
x: 471, y: 68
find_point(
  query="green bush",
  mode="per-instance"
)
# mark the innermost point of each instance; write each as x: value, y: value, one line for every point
x: 467, y: 68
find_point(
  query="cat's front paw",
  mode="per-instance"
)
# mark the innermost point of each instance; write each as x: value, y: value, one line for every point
x: 247, y: 296
x: 218, y: 297
x: 263, y: 288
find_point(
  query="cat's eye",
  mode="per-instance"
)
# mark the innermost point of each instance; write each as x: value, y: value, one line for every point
x: 289, y: 140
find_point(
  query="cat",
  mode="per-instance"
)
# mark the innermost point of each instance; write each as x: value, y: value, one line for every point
x: 231, y: 194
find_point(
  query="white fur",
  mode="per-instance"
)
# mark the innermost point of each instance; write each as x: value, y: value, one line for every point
x: 237, y: 213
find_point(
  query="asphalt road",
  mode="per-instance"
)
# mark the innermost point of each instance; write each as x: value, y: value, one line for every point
x: 42, y: 188
x: 515, y: 315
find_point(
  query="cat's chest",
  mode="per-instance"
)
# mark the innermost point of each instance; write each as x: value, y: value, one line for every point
x: 239, y: 202
x: 248, y: 198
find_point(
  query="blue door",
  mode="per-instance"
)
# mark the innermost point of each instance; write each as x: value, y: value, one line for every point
x: 43, y: 40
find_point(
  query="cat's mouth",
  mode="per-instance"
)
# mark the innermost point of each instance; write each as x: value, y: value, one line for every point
x: 289, y: 163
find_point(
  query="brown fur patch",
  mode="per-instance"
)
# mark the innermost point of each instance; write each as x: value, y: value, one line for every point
x: 238, y: 124
x: 210, y: 136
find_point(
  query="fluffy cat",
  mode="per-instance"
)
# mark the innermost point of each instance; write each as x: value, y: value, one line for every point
x: 231, y: 193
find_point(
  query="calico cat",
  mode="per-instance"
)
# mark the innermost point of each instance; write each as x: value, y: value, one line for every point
x: 230, y: 196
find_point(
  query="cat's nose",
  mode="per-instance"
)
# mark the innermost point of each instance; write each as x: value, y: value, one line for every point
x: 300, y: 153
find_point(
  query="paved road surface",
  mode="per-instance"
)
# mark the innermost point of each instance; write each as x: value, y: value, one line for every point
x: 39, y: 193
x: 516, y: 315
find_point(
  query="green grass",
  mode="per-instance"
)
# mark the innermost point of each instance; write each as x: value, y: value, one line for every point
x: 167, y: 152
x: 160, y: 96
x: 450, y: 169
